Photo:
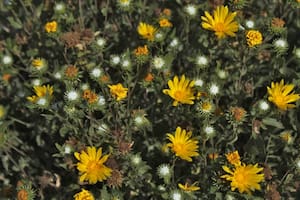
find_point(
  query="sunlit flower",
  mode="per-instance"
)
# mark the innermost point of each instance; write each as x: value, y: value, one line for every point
x: 222, y: 22
x: 254, y: 38
x: 245, y: 178
x: 165, y: 23
x: 234, y: 158
x: 51, y: 26
x: 91, y: 165
x: 147, y: 31
x: 124, y: 3
x: 41, y: 92
x: 182, y: 144
x: 84, y: 195
x: 189, y: 188
x: 181, y: 90
x: 118, y: 91
x: 282, y: 95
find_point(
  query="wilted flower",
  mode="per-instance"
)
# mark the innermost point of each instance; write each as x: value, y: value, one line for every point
x: 182, y: 144
x: 91, y: 165
x: 287, y: 137
x: 115, y: 59
x: 282, y: 95
x: 209, y: 131
x: 101, y: 42
x: 263, y: 105
x: 280, y: 45
x: 90, y: 96
x: 222, y: 22
x: 96, y: 72
x: 176, y: 195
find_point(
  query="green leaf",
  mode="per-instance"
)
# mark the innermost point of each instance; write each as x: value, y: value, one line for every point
x: 273, y: 122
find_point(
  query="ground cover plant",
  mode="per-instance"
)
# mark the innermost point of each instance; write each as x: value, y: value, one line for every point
x: 137, y: 99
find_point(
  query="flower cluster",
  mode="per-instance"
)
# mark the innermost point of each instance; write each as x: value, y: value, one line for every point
x: 126, y: 99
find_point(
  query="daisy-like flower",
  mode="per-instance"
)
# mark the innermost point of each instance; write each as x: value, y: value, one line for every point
x: 181, y: 90
x: 182, y: 144
x: 51, y: 27
x: 84, y: 195
x: 118, y: 91
x: 189, y: 188
x: 91, y: 165
x: 147, y: 31
x: 234, y: 158
x: 245, y: 178
x: 282, y: 95
x: 254, y: 38
x: 41, y: 92
x: 222, y: 22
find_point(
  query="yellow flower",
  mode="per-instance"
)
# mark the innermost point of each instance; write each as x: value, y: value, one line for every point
x: 188, y: 188
x: 165, y: 23
x: 2, y: 111
x: 146, y: 31
x: 182, y: 144
x: 234, y: 158
x: 141, y: 51
x: 91, y: 165
x: 222, y: 22
x: 118, y: 91
x: 84, y: 195
x: 281, y: 95
x: 51, y: 26
x: 245, y: 178
x: 38, y: 63
x: 253, y: 38
x: 41, y: 91
x: 181, y: 90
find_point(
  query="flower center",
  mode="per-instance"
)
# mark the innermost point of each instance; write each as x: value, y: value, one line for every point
x: 179, y: 95
x: 178, y: 148
x: 279, y: 100
x: 93, y: 166
x: 240, y: 178
x: 219, y: 27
